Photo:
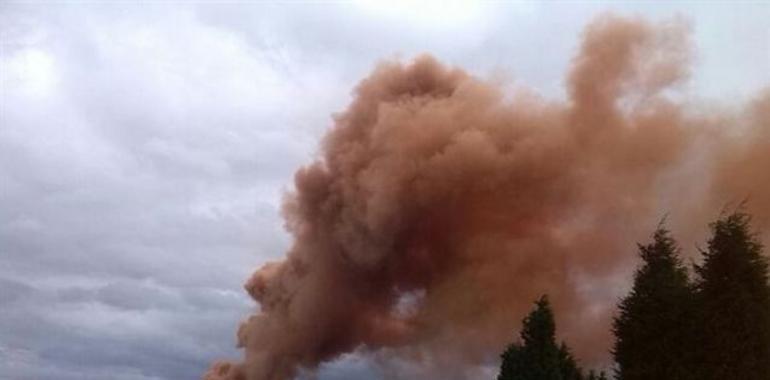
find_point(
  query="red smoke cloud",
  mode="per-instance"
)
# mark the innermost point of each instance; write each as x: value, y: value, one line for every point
x: 441, y: 206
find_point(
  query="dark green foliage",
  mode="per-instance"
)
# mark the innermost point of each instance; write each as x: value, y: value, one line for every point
x: 537, y: 357
x: 668, y: 328
x: 733, y: 304
x: 652, y: 326
x: 567, y: 365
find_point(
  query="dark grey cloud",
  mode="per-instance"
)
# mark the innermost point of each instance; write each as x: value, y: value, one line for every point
x: 139, y: 188
x: 144, y: 150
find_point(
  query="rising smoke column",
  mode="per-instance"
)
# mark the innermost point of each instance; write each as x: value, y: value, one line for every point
x: 442, y: 206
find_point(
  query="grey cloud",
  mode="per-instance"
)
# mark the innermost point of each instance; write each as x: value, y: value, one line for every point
x: 145, y: 328
x: 13, y: 291
x: 137, y: 194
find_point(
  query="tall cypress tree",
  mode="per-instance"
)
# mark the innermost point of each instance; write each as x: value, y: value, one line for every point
x: 536, y: 356
x: 652, y: 327
x: 734, y: 304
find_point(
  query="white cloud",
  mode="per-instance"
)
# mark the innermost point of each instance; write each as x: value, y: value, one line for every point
x: 31, y: 71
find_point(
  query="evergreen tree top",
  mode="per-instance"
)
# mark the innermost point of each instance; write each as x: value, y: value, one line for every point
x: 537, y: 356
x: 733, y: 229
x: 734, y: 303
x: 661, y: 268
x: 663, y: 247
x: 539, y: 327
x: 734, y: 256
x: 652, y: 318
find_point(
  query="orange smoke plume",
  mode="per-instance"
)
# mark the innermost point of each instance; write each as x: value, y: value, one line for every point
x: 442, y: 205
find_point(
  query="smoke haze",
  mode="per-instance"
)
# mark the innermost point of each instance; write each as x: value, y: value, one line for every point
x: 441, y: 205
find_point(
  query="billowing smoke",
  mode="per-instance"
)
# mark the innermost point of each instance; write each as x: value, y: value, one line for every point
x: 442, y: 205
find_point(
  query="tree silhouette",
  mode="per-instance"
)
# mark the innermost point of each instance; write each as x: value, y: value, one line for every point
x: 733, y: 304
x: 567, y: 365
x: 536, y: 356
x: 651, y: 329
x: 716, y: 328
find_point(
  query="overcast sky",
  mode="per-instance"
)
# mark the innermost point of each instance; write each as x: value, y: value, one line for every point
x: 144, y: 150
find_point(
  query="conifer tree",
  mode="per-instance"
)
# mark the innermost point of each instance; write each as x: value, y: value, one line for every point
x: 651, y: 329
x: 536, y: 356
x: 733, y: 304
x: 567, y: 365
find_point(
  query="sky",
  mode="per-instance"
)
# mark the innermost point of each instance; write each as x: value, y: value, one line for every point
x: 145, y: 148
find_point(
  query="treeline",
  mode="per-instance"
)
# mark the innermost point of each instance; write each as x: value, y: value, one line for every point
x: 714, y: 325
